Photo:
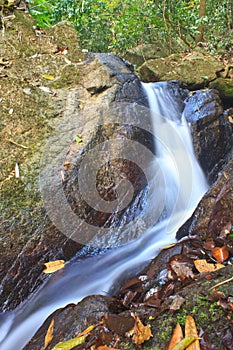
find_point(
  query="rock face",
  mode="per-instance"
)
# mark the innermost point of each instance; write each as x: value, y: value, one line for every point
x: 69, y: 100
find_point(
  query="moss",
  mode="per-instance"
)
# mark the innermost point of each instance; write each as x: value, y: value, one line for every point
x: 224, y: 86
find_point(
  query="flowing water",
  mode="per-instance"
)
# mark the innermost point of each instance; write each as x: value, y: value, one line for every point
x: 185, y: 185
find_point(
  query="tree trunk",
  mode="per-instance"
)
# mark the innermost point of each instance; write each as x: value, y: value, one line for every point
x: 202, y: 13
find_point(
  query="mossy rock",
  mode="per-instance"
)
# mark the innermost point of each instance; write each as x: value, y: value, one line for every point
x: 195, y: 69
x: 225, y: 88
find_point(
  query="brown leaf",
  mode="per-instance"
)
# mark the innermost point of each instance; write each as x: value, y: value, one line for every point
x: 104, y: 347
x: 191, y: 331
x: 203, y: 266
x: 220, y: 253
x: 177, y: 336
x: 140, y: 332
x: 181, y: 269
x: 177, y: 301
x: 49, y: 335
x: 53, y: 266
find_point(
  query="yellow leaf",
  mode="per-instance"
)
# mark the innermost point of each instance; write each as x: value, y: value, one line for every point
x: 70, y: 344
x: 86, y: 331
x: 53, y: 266
x: 203, y: 266
x: 191, y: 331
x: 177, y: 336
x: 140, y: 332
x: 104, y: 347
x: 49, y: 335
x: 48, y: 77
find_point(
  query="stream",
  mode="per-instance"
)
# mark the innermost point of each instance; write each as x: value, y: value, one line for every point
x: 185, y: 185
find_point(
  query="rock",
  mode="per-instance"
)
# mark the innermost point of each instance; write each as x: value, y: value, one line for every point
x: 211, y: 129
x: 225, y: 88
x: 78, y: 97
x: 144, y: 52
x: 195, y: 69
x: 71, y: 320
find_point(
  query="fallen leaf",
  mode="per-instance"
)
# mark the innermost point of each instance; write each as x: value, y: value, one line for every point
x: 48, y: 76
x: 177, y: 301
x: 49, y: 335
x: 46, y: 89
x: 220, y: 253
x: 230, y: 119
x: 78, y: 139
x: 184, y: 343
x: 104, y: 347
x: 181, y: 269
x: 53, y: 266
x: 70, y: 344
x: 16, y: 171
x: 203, y: 266
x: 176, y: 337
x: 139, y: 332
x: 191, y: 331
x: 86, y: 331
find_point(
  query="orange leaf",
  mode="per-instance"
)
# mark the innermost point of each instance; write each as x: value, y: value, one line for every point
x: 220, y: 253
x: 140, y: 332
x: 177, y: 335
x: 49, y: 335
x: 203, y: 266
x: 86, y: 331
x: 191, y: 331
x: 53, y: 266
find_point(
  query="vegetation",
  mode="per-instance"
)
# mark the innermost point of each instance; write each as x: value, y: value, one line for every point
x: 114, y: 25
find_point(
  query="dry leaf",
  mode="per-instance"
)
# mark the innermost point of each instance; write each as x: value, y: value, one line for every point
x: 16, y: 171
x: 177, y: 336
x: 177, y: 301
x: 49, y: 335
x: 46, y: 89
x: 181, y: 269
x: 220, y: 253
x: 53, y: 266
x: 140, y: 332
x: 203, y: 266
x: 86, y: 331
x: 191, y: 331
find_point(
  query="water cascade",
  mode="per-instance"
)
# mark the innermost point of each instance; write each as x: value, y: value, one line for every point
x: 185, y: 185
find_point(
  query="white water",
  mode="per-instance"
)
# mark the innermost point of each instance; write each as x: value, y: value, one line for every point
x: 185, y: 185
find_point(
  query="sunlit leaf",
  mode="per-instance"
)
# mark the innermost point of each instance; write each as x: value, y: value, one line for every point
x: 203, y: 266
x: 184, y: 343
x: 48, y: 76
x: 220, y: 253
x: 191, y: 331
x: 53, y: 266
x: 177, y: 336
x: 140, y: 332
x: 87, y: 330
x: 49, y: 335
x: 70, y: 344
x: 78, y: 139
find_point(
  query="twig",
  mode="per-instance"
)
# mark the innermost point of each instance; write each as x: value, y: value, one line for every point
x: 221, y: 283
x: 17, y: 144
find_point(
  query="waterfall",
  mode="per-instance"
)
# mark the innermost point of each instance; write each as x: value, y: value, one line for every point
x: 185, y: 185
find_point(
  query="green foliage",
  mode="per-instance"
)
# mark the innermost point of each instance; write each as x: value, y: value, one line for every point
x: 114, y: 25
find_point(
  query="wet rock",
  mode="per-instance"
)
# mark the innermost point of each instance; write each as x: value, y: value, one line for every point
x: 215, y: 211
x: 195, y: 69
x: 70, y: 321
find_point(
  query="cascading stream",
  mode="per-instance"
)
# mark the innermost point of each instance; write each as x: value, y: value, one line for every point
x: 185, y: 186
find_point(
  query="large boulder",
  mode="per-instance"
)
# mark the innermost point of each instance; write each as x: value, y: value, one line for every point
x: 52, y: 92
x: 195, y: 69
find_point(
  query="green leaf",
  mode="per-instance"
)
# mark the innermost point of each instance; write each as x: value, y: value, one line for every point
x: 182, y: 345
x: 78, y: 139
x: 70, y: 344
